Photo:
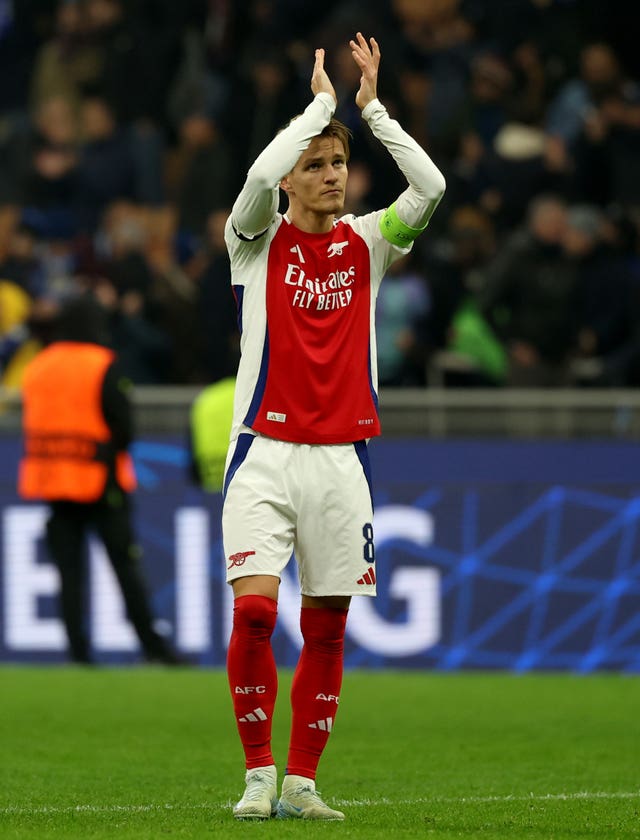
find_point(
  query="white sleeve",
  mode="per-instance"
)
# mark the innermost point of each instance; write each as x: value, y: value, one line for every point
x: 426, y: 183
x: 257, y: 203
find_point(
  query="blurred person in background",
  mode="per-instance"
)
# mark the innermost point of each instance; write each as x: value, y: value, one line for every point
x: 106, y: 166
x: 499, y: 161
x: 20, y: 263
x: 453, y: 265
x: 21, y: 282
x: 402, y: 307
x: 200, y: 172
x: 58, y: 257
x: 297, y: 473
x: 462, y: 349
x: 46, y: 167
x: 599, y: 76
x: 485, y: 107
x: 20, y: 28
x: 144, y: 351
x: 264, y: 96
x: 593, y: 128
x: 39, y: 156
x: 529, y: 297
x: 67, y: 62
x: 116, y: 267
x: 77, y: 426
x: 15, y: 306
x: 608, y: 344
x: 216, y: 313
x: 210, y: 422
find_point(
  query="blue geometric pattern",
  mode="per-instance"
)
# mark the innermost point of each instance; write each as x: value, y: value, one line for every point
x: 547, y: 580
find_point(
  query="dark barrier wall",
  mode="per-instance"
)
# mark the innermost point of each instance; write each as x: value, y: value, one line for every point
x: 514, y: 555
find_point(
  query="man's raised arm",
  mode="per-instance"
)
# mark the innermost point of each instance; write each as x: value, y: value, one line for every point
x: 256, y: 205
x: 409, y: 215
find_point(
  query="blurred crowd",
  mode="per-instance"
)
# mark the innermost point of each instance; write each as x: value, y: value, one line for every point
x: 127, y: 128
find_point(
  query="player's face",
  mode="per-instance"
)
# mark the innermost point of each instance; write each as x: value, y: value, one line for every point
x: 317, y: 182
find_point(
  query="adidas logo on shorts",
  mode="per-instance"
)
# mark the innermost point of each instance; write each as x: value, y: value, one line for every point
x: 368, y: 578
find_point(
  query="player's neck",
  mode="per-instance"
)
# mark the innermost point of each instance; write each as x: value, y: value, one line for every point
x: 310, y: 222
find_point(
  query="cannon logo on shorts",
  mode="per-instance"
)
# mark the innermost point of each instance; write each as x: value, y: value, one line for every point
x: 239, y: 558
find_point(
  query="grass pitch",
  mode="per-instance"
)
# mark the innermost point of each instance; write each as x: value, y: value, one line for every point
x: 151, y: 752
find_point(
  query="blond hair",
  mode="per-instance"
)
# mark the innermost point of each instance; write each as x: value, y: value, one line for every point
x: 334, y: 128
x: 341, y: 132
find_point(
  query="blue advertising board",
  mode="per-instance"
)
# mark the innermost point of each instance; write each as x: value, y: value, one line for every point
x: 489, y: 555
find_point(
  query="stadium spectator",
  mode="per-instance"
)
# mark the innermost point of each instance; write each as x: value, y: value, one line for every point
x: 486, y: 105
x: 200, y: 172
x: 67, y: 63
x: 216, y: 314
x: 297, y: 475
x: 401, y: 310
x: 608, y: 345
x: 20, y: 263
x: 106, y: 168
x: 529, y: 296
x: 439, y: 39
x: 20, y: 33
x: 40, y: 157
x: 139, y: 48
x: 123, y: 280
x: 460, y: 347
x: 593, y: 127
x: 173, y: 296
x: 144, y: 351
x: 263, y: 98
x: 599, y: 77
x: 77, y: 425
x: 15, y: 306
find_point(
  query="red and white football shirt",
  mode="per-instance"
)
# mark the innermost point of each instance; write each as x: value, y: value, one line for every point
x: 306, y: 302
x: 306, y: 309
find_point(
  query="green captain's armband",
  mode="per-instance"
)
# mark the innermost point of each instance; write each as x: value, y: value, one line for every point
x: 395, y: 230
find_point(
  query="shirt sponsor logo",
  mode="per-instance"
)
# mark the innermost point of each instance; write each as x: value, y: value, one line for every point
x: 276, y: 416
x: 336, y: 248
x: 332, y: 293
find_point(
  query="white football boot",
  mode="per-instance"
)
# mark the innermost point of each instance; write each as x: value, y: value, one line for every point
x: 301, y: 800
x: 260, y: 798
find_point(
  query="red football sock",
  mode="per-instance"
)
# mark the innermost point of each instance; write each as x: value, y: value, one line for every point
x: 253, y: 677
x: 316, y: 687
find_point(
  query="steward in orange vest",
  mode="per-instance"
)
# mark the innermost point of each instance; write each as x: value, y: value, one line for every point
x: 77, y: 423
x: 69, y: 447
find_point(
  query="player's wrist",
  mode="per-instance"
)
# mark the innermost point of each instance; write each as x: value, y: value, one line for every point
x: 327, y: 98
x: 372, y: 107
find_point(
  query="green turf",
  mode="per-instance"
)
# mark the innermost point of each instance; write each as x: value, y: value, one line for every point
x: 149, y: 753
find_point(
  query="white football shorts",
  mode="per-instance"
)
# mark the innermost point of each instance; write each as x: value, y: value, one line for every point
x: 313, y: 500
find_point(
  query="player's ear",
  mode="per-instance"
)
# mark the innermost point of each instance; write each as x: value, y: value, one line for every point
x: 285, y: 185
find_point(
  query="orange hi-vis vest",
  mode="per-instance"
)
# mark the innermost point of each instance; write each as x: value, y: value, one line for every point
x: 65, y: 434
